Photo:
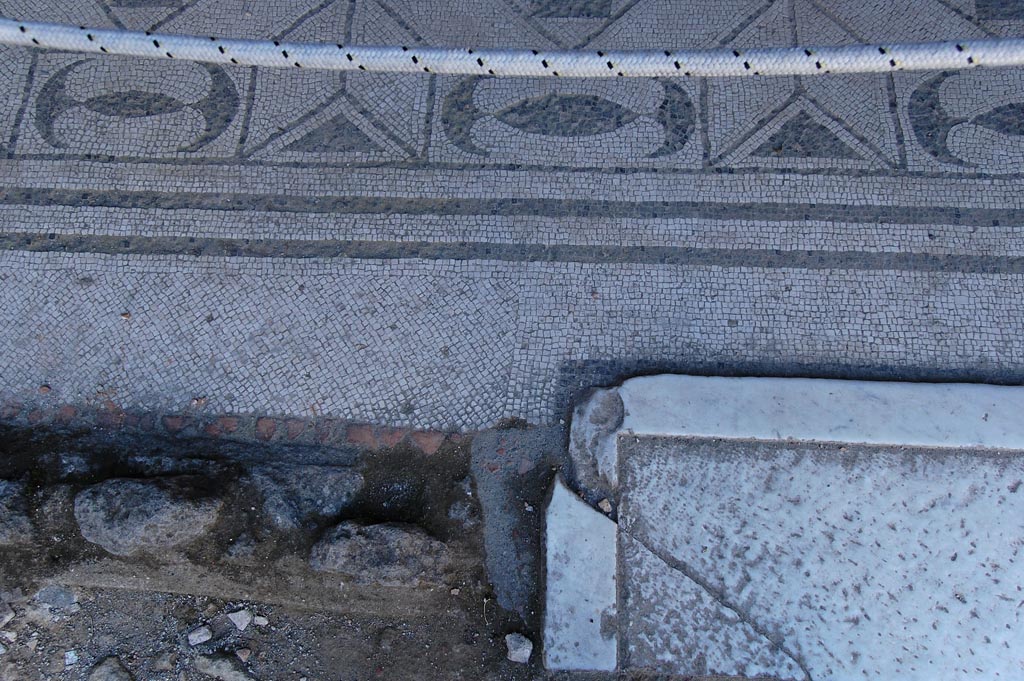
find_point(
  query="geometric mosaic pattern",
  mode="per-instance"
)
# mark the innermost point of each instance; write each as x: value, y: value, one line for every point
x: 442, y: 250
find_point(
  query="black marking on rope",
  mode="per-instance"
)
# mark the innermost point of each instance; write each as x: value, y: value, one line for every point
x: 469, y: 50
x: 89, y: 36
x: 362, y: 68
x: 817, y: 64
x: 881, y: 50
x: 746, y: 65
x: 103, y: 49
x: 21, y: 28
x: 544, y: 63
x: 479, y: 61
x: 959, y: 47
x: 892, y: 62
x: 676, y: 64
x: 220, y: 48
x: 284, y: 53
x: 490, y: 71
x: 611, y: 65
x: 156, y: 43
x: 234, y: 61
x: 298, y: 65
x: 213, y: 39
x: 415, y: 59
x: 600, y: 53
x: 34, y: 41
x: 404, y: 48
x: 667, y: 53
x: 349, y: 55
x: 554, y: 73
x: 808, y: 52
x: 687, y: 73
x: 147, y: 33
x: 970, y: 60
x: 426, y: 69
x: 277, y: 44
x: 169, y: 55
x: 735, y: 53
x: 619, y: 73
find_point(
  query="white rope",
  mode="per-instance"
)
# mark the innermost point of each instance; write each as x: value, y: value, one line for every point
x: 786, y: 61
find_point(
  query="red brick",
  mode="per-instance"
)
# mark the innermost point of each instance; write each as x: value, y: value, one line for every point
x: 428, y: 441
x: 174, y: 423
x: 361, y: 436
x: 328, y: 431
x: 294, y: 428
x: 265, y: 428
x: 389, y: 437
x: 110, y: 419
x: 10, y: 410
x: 147, y: 421
x: 66, y: 413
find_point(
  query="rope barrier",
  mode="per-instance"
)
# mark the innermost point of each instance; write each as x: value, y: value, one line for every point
x: 784, y: 61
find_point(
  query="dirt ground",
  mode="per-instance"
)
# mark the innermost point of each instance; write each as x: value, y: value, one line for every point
x: 75, y: 604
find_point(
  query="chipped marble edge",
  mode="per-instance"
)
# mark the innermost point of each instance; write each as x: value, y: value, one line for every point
x: 580, y: 614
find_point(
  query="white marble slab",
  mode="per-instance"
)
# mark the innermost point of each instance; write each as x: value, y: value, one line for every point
x: 873, y: 412
x: 580, y: 625
x: 803, y: 561
x: 947, y: 415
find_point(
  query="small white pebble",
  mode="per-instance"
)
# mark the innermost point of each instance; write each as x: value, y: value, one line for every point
x: 455, y: 592
x: 70, y: 658
x: 200, y: 635
x: 240, y: 618
x: 243, y: 654
x: 605, y: 505
x: 260, y: 621
x: 2, y: 649
x: 519, y: 648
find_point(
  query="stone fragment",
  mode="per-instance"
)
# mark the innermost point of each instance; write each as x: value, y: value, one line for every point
x: 387, y: 554
x: 56, y: 596
x: 128, y: 516
x: 6, y: 614
x: 2, y: 649
x: 519, y: 648
x: 240, y: 618
x: 260, y: 621
x: 15, y: 526
x: 579, y: 627
x: 109, y: 669
x: 293, y: 494
x: 221, y: 667
x: 605, y: 505
x: 243, y: 654
x: 199, y: 635
x: 164, y: 662
x: 592, y: 440
x: 70, y: 658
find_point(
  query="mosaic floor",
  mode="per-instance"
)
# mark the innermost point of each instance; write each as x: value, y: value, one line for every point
x: 443, y: 252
